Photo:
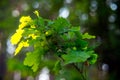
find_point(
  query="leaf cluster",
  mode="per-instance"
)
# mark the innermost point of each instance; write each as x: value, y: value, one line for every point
x: 56, y: 40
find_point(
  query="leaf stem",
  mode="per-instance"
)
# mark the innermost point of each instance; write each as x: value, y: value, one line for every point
x: 81, y: 71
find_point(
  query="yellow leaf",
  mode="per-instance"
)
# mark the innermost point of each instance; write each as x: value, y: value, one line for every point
x: 36, y: 12
x: 25, y: 19
x: 17, y: 36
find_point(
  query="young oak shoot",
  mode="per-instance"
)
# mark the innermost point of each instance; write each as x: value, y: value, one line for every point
x: 57, y: 38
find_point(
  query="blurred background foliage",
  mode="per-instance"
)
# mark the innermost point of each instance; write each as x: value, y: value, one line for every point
x: 98, y: 17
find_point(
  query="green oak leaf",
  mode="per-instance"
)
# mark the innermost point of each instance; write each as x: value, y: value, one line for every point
x: 61, y: 24
x: 33, y: 60
x: 76, y: 56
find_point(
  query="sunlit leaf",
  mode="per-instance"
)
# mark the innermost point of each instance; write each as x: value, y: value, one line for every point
x: 93, y: 58
x: 87, y: 36
x: 75, y: 28
x: 33, y: 59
